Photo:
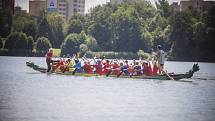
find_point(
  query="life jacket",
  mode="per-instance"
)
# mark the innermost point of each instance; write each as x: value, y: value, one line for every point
x: 155, y: 70
x: 69, y: 65
x: 116, y: 69
x: 49, y: 56
x: 137, y: 69
x: 149, y: 68
x: 56, y: 65
x: 145, y: 69
x: 131, y: 69
x: 125, y: 69
x: 62, y: 65
x: 98, y: 68
x: 106, y: 68
x: 88, y: 68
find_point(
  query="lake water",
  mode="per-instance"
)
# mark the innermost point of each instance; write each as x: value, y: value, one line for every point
x: 26, y: 95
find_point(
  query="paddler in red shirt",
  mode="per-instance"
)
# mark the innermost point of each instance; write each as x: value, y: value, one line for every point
x: 155, y: 69
x: 88, y: 68
x: 49, y: 56
x: 106, y: 68
x: 147, y: 70
x: 116, y: 68
x: 98, y: 67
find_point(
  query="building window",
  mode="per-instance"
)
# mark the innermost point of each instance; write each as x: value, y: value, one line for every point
x: 190, y: 7
x: 76, y: 1
x: 75, y: 10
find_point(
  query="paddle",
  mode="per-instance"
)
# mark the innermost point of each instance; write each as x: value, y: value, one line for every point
x: 121, y: 72
x: 109, y: 73
x: 136, y: 70
x: 73, y: 73
x: 168, y: 75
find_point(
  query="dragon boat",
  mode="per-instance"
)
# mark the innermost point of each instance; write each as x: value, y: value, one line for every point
x: 169, y: 76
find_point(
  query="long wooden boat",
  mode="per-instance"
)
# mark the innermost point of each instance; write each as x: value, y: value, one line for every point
x: 169, y: 76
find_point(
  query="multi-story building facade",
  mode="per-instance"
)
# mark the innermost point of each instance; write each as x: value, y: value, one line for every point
x: 66, y: 8
x: 63, y: 8
x: 175, y: 6
x: 36, y: 6
x: 208, y: 4
x: 76, y: 7
x: 5, y: 4
x: 198, y: 5
x: 52, y: 6
x: 192, y: 4
x: 121, y: 1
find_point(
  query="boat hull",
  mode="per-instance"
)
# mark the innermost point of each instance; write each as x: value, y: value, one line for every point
x: 160, y: 77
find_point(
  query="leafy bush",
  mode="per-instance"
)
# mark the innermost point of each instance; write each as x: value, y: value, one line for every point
x: 83, y: 48
x: 71, y: 44
x: 43, y: 44
x: 1, y: 42
x: 17, y: 41
x: 30, y: 42
x: 112, y: 55
x: 91, y: 43
x: 142, y: 54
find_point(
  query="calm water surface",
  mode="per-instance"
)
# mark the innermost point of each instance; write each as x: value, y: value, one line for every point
x: 26, y: 95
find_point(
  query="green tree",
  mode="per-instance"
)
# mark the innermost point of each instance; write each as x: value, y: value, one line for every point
x: 5, y: 22
x: 91, y: 43
x: 71, y: 44
x: 23, y: 22
x: 44, y: 30
x: 76, y: 24
x: 17, y: 41
x: 164, y: 8
x: 181, y: 35
x: 30, y: 42
x: 99, y: 26
x: 126, y: 30
x: 1, y: 42
x: 43, y: 44
x: 56, y: 22
x: 83, y: 49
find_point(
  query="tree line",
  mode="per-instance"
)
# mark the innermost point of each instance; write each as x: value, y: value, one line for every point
x: 128, y: 27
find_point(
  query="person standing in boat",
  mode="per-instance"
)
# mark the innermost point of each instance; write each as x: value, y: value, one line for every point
x: 160, y: 58
x: 49, y: 56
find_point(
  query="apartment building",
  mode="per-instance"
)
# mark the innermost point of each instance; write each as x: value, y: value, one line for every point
x: 175, y: 6
x: 63, y: 8
x: 76, y: 7
x: 121, y: 1
x: 36, y: 6
x: 198, y: 5
x: 66, y: 8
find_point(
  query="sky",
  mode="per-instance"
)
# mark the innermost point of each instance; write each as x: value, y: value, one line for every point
x: 89, y: 3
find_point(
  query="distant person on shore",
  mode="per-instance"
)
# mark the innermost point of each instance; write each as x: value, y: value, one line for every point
x: 160, y: 58
x: 49, y: 56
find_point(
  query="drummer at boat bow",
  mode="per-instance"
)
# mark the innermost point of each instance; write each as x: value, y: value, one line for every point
x: 49, y: 56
